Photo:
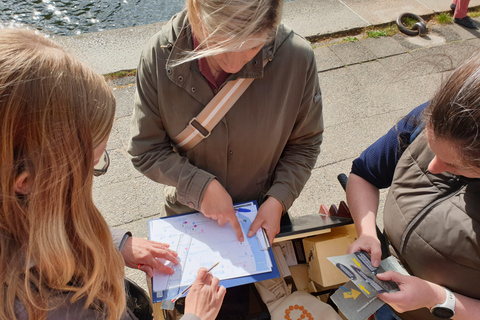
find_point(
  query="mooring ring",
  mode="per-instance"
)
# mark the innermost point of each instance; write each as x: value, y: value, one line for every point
x: 419, y: 28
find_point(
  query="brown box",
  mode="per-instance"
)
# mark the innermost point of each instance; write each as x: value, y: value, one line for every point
x: 318, y: 248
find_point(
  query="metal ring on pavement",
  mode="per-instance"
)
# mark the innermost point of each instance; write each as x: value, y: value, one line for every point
x: 419, y: 28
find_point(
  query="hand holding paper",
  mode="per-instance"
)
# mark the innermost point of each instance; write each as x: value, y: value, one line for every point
x: 205, y: 297
x: 268, y: 218
x: 369, y: 244
x: 359, y: 298
x: 415, y: 293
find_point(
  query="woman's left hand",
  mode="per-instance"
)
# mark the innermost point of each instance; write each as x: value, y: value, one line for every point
x: 268, y: 217
x: 415, y: 293
x: 143, y: 254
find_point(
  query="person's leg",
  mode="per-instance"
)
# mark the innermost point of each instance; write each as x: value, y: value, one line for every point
x: 460, y: 15
x: 461, y: 8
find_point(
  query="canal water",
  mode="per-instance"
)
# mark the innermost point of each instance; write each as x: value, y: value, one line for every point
x: 72, y: 17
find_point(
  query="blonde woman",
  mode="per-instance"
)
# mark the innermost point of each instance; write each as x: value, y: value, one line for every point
x: 57, y: 257
x: 267, y: 144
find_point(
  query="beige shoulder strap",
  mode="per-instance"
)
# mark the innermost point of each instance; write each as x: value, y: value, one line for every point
x: 199, y: 127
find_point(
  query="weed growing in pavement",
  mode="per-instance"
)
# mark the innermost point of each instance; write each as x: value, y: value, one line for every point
x: 350, y: 39
x: 120, y: 74
x: 408, y: 22
x: 444, y: 18
x: 474, y: 12
x: 376, y: 34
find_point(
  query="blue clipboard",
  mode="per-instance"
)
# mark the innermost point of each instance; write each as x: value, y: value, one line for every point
x: 228, y: 283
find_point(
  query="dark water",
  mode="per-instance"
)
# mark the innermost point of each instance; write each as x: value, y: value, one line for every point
x: 71, y: 17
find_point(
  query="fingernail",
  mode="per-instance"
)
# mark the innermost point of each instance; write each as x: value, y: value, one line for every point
x: 250, y: 233
x: 376, y: 263
x: 241, y: 239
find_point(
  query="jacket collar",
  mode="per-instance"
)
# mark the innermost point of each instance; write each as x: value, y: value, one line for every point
x: 179, y: 40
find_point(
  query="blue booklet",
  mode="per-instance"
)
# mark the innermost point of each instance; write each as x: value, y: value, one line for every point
x: 201, y: 242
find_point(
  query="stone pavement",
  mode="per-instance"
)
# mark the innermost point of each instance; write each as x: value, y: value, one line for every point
x: 120, y: 49
x: 367, y: 86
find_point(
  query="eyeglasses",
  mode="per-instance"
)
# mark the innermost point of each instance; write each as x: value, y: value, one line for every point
x: 102, y: 166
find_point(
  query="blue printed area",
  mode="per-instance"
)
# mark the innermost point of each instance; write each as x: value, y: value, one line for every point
x: 261, y: 262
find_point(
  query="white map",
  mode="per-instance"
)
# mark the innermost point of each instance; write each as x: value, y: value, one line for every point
x: 201, y: 242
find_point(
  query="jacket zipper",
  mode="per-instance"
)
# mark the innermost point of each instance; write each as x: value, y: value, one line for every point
x: 421, y: 215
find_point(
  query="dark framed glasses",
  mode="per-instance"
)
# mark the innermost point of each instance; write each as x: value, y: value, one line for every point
x: 102, y: 166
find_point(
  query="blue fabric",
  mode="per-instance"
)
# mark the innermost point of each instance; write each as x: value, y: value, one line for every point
x: 386, y: 313
x: 377, y: 163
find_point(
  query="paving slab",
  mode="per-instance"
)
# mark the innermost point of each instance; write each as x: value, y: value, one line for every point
x: 383, y: 46
x: 431, y: 39
x: 448, y: 32
x: 322, y: 188
x: 352, y: 52
x: 436, y: 5
x: 343, y: 141
x: 312, y: 18
x: 384, y: 11
x: 403, y: 40
x: 466, y: 33
x: 326, y: 59
x: 370, y: 73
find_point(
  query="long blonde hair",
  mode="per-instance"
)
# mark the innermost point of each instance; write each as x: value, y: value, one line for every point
x: 223, y: 26
x: 54, y: 111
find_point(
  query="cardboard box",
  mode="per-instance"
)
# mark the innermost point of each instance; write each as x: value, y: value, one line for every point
x: 318, y: 248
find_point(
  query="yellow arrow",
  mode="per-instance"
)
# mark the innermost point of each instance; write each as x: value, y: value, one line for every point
x: 363, y: 288
x: 351, y: 294
x: 357, y: 263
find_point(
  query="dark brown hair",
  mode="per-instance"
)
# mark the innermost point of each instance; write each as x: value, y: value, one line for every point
x: 454, y: 112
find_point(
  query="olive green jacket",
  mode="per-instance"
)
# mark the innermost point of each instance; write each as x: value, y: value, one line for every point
x: 266, y: 145
x: 433, y: 224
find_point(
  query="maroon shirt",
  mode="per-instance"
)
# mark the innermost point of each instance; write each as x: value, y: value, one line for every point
x: 205, y: 70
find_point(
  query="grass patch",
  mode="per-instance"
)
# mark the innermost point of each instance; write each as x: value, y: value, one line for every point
x: 386, y: 31
x: 120, y: 74
x: 408, y: 22
x: 350, y: 39
x: 391, y: 29
x: 376, y: 34
x: 444, y: 18
x: 474, y: 13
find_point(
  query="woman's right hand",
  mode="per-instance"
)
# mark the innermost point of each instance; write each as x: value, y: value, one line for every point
x: 369, y: 244
x: 217, y: 205
x: 205, y: 297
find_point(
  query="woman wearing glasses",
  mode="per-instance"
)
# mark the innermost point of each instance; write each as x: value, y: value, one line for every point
x: 57, y: 257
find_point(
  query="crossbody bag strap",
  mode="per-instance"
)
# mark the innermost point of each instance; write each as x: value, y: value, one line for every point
x: 199, y: 127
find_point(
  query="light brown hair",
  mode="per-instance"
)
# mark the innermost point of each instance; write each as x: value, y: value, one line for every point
x: 54, y: 110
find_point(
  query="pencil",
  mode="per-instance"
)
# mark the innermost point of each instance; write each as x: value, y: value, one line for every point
x: 188, y: 288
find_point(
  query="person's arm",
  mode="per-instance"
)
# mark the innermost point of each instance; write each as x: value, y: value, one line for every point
x: 298, y: 157
x: 152, y: 154
x: 363, y: 199
x: 416, y: 293
x: 372, y: 171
